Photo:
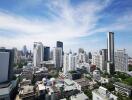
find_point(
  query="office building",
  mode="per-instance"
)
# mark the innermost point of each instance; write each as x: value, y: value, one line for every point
x: 16, y: 57
x: 121, y: 61
x: 6, y: 74
x: 103, y: 59
x: 24, y: 50
x: 103, y: 94
x: 6, y: 65
x: 38, y: 53
x: 96, y: 59
x: 65, y: 63
x: 46, y: 56
x: 70, y: 61
x: 110, y: 46
x: 74, y: 61
x: 60, y: 45
x: 57, y: 57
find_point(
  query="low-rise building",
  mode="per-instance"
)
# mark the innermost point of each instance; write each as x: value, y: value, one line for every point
x: 123, y: 89
x: 80, y: 96
x: 82, y: 84
x: 25, y: 82
x: 27, y: 92
x: 96, y: 75
x: 103, y: 94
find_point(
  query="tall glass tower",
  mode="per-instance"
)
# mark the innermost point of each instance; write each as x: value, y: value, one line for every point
x: 110, y: 47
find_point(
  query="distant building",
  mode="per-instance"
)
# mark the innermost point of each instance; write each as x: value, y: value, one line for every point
x: 65, y: 63
x: 46, y: 56
x: 57, y: 57
x: 90, y: 55
x: 81, y: 55
x: 69, y: 62
x: 16, y: 57
x: 59, y: 44
x: 24, y: 50
x: 129, y: 61
x: 74, y: 61
x: 38, y: 53
x: 103, y: 59
x: 103, y: 94
x: 110, y: 46
x: 96, y: 59
x: 121, y: 61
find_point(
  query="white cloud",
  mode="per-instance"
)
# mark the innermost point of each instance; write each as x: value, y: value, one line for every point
x: 68, y: 22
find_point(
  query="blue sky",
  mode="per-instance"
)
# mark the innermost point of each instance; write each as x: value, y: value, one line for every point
x: 78, y: 23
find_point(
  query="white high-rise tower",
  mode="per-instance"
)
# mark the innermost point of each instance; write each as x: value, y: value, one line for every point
x: 38, y: 53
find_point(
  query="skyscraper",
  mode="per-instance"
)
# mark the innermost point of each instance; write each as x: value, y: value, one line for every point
x: 110, y: 46
x: 46, y: 56
x: 121, y: 61
x: 38, y: 53
x: 103, y: 59
x: 57, y: 57
x: 60, y: 45
x: 6, y: 65
x: 65, y: 63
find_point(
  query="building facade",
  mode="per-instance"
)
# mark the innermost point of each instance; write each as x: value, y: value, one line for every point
x: 46, y: 56
x: 6, y: 65
x: 103, y: 94
x: 38, y: 53
x: 121, y: 61
x: 110, y: 47
x: 57, y: 57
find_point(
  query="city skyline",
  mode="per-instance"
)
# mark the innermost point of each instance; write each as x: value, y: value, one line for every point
x: 77, y: 23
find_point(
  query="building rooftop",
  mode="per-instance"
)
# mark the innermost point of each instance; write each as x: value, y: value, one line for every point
x: 26, y: 91
x: 82, y: 81
x: 69, y: 82
x: 123, y: 85
x: 104, y: 93
x: 80, y: 96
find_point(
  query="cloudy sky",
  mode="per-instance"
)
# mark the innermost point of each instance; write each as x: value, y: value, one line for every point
x: 78, y: 23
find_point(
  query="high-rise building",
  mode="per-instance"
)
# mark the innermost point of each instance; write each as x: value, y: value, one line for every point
x: 16, y: 57
x: 60, y: 45
x: 121, y: 61
x: 7, y: 84
x: 57, y: 57
x: 96, y: 59
x: 103, y: 59
x: 100, y: 59
x: 6, y: 65
x: 65, y: 63
x: 74, y: 61
x: 81, y: 56
x: 110, y: 46
x: 46, y: 53
x: 24, y: 50
x: 69, y: 62
x: 38, y: 53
